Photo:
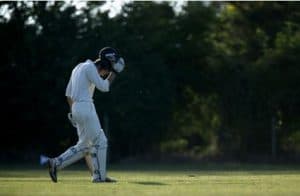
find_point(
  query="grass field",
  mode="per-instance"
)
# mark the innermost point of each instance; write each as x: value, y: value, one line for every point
x: 173, y: 179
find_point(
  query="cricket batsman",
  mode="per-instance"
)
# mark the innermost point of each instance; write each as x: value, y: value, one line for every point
x: 92, y: 142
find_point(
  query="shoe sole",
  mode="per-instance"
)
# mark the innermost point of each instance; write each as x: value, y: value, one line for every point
x: 52, y: 174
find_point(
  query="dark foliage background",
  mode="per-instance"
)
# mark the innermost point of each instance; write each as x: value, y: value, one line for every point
x: 215, y: 80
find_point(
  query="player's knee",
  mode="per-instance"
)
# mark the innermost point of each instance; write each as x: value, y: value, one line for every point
x: 80, y: 147
x: 103, y: 142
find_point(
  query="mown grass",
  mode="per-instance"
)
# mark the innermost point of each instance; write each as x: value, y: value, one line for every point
x: 153, y: 179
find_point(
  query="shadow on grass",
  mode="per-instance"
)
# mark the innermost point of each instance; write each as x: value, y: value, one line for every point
x: 206, y: 167
x: 150, y: 183
x: 25, y: 180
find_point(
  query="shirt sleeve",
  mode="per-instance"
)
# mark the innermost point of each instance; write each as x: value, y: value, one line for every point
x: 69, y: 88
x: 93, y: 76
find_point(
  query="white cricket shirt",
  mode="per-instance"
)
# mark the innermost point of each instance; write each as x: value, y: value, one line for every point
x: 83, y: 80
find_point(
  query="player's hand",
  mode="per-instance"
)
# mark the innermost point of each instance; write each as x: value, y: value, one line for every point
x: 119, y: 65
x: 70, y: 117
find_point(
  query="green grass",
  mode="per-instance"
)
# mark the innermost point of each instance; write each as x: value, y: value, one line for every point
x: 196, y: 179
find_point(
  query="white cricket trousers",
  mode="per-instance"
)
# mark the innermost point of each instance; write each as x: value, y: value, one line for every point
x: 91, y: 140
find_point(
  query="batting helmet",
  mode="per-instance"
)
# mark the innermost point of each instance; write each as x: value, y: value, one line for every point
x: 109, y: 54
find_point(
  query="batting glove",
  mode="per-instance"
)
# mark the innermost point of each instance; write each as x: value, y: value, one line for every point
x: 119, y: 65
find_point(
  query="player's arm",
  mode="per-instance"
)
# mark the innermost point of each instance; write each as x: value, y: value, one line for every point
x: 70, y: 102
x: 68, y: 93
x: 117, y: 68
x: 111, y: 77
x: 94, y: 77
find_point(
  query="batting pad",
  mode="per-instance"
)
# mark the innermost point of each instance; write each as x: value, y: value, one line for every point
x: 70, y: 156
x: 99, y: 162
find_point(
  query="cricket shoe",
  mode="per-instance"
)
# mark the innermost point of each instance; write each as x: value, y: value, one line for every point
x: 52, y: 170
x: 107, y: 179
